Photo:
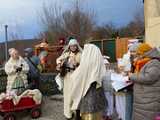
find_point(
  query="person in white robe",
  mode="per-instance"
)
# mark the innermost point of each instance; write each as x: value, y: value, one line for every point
x: 87, y: 93
x: 71, y: 55
x: 16, y: 68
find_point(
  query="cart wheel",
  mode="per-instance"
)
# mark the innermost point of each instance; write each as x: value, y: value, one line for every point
x: 36, y: 112
x: 9, y: 116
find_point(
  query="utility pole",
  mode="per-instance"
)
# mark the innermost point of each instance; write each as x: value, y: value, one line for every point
x: 6, y: 42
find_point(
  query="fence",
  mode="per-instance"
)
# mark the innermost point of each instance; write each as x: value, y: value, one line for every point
x: 107, y: 47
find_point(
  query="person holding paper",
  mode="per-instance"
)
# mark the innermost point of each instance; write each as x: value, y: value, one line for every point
x: 146, y: 84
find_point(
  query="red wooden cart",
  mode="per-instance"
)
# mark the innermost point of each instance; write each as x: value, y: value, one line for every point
x: 8, y: 109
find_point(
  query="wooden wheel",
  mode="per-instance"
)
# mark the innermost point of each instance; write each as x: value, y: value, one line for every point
x: 9, y: 116
x: 36, y: 112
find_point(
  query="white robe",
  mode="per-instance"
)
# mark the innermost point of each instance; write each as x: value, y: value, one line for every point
x: 110, y: 99
x: 67, y: 86
x: 90, y: 70
x: 121, y: 105
x: 11, y: 72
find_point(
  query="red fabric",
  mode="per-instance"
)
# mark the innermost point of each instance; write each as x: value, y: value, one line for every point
x: 24, y: 103
x: 62, y: 41
x: 140, y: 63
x: 44, y: 60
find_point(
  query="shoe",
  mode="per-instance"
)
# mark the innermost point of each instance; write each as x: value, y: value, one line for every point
x: 72, y: 118
x: 77, y: 117
x: 68, y: 118
x: 106, y: 118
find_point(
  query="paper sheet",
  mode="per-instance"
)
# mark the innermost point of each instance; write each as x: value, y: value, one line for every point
x: 119, y: 81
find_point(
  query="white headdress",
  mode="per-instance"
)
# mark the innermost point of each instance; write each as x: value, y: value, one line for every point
x: 11, y: 51
x: 72, y: 42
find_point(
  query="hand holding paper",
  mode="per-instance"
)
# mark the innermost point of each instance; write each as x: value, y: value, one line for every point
x: 120, y: 81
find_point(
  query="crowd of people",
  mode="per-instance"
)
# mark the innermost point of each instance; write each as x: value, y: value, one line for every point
x: 87, y: 83
x: 86, y: 79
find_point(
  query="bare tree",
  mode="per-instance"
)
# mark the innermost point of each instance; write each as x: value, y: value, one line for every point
x: 51, y: 21
x: 106, y: 31
x: 135, y: 27
x: 75, y: 22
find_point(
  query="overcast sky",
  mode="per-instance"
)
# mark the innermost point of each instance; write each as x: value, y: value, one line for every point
x: 21, y: 15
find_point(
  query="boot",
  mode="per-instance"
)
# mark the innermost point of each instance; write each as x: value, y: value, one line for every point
x: 77, y: 117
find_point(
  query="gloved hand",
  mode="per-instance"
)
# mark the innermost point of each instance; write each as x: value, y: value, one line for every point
x: 19, y: 69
